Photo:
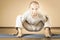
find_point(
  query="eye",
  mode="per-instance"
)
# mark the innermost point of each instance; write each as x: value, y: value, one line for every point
x: 36, y: 9
x: 32, y: 8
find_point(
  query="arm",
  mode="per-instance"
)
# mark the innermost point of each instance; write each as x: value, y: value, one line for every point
x: 19, y: 21
x: 19, y: 25
x: 47, y: 28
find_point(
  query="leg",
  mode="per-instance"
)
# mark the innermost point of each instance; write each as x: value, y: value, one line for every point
x: 47, y: 32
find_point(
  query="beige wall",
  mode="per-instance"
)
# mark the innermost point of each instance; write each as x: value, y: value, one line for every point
x: 11, y: 8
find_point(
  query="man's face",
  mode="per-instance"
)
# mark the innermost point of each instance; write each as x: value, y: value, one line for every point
x: 34, y: 8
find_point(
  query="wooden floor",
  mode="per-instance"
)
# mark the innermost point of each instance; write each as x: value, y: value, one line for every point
x: 9, y: 30
x: 54, y: 30
x: 29, y: 38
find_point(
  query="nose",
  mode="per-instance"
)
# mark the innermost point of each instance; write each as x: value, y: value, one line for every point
x: 34, y: 10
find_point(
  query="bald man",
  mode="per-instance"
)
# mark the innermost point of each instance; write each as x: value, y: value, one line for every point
x: 33, y: 20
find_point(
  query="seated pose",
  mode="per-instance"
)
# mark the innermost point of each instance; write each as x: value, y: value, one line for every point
x: 33, y: 20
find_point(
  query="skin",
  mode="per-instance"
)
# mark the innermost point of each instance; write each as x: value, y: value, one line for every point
x: 34, y: 8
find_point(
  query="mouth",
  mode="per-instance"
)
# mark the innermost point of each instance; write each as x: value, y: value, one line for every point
x: 34, y: 15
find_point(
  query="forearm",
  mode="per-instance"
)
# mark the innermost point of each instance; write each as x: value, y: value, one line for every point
x: 47, y: 31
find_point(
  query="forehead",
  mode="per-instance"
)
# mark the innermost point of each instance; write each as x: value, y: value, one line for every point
x: 34, y: 5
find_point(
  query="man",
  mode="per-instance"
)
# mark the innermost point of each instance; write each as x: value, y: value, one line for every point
x: 32, y: 19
